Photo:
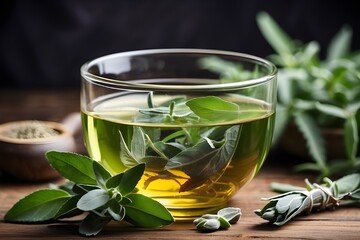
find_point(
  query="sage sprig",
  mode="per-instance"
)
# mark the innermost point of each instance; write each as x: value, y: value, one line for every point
x: 201, y: 153
x: 222, y: 220
x: 315, y: 93
x: 91, y: 188
x: 296, y: 200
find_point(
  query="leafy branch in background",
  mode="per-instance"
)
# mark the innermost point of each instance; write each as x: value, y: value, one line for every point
x: 315, y: 94
x: 91, y: 188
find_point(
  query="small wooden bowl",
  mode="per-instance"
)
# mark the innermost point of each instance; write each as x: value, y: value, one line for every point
x: 25, y: 158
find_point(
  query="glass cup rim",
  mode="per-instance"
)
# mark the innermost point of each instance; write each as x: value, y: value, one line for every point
x: 116, y: 83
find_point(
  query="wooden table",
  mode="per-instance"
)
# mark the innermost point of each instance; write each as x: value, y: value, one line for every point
x: 343, y: 223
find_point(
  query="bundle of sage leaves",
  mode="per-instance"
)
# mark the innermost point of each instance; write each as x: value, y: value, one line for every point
x: 297, y: 200
x: 90, y: 188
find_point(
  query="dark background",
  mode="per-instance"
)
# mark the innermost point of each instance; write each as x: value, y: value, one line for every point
x: 44, y: 43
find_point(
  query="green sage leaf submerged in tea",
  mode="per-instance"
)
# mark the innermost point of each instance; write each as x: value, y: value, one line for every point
x: 201, y: 154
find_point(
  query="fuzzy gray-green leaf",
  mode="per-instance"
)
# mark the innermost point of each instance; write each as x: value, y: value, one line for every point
x: 93, y: 199
x: 231, y: 214
x: 126, y: 157
x: 348, y: 183
x: 138, y: 143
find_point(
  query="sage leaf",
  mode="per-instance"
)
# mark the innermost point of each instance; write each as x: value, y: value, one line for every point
x: 126, y: 157
x: 282, y: 119
x: 138, y: 143
x: 351, y: 137
x: 270, y: 206
x: 125, y: 201
x: 169, y: 149
x: 213, y: 108
x: 308, y: 166
x: 154, y: 163
x: 340, y: 44
x: 224, y: 224
x: 312, y: 135
x: 310, y: 52
x: 154, y: 148
x: 348, y: 183
x: 146, y: 212
x: 210, y: 216
x: 231, y: 214
x: 222, y: 220
x: 81, y: 189
x: 284, y: 203
x: 93, y: 224
x: 189, y: 159
x: 275, y: 36
x: 202, y: 161
x: 101, y: 174
x: 73, y: 166
x: 69, y: 208
x: 93, y: 199
x: 116, y: 210
x: 331, y: 110
x: 209, y: 225
x: 282, y: 187
x: 117, y: 216
x: 215, y: 133
x: 295, y: 203
x: 39, y: 206
x: 126, y: 181
x: 198, y: 220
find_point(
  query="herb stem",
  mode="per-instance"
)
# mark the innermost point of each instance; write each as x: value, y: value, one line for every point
x: 153, y: 147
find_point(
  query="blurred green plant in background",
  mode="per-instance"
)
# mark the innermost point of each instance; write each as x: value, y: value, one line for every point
x: 315, y: 93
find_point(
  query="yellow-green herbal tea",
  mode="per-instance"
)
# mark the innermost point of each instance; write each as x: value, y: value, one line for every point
x: 198, y: 150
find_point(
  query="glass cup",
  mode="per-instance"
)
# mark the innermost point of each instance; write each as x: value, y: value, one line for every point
x: 201, y: 121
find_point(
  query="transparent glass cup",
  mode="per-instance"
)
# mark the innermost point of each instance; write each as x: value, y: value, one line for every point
x: 201, y: 121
